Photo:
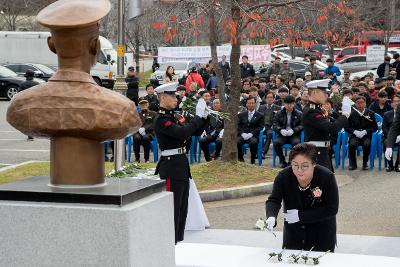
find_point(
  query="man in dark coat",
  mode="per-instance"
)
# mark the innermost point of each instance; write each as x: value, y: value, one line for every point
x: 394, y: 132
x: 246, y: 69
x: 381, y: 105
x: 225, y: 68
x: 173, y: 165
x: 269, y: 110
x: 133, y: 85
x: 384, y: 68
x: 287, y: 126
x: 318, y: 129
x: 250, y: 123
x: 154, y: 104
x: 146, y: 132
x: 213, y: 133
x: 316, y: 207
x: 361, y: 125
x: 388, y: 119
x: 28, y: 83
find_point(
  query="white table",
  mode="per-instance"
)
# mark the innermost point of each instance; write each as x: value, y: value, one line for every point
x: 210, y: 255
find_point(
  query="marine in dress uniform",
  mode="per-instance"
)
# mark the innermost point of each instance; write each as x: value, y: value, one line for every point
x: 173, y: 165
x: 146, y: 133
x: 318, y: 128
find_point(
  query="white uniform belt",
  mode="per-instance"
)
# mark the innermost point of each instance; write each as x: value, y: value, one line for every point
x: 320, y: 143
x: 171, y: 152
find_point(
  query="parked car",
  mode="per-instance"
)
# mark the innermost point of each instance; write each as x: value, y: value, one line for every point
x: 361, y: 74
x: 356, y: 63
x: 350, y: 51
x: 41, y: 71
x: 298, y: 51
x: 181, y: 69
x: 10, y: 82
x: 299, y: 66
x: 326, y: 54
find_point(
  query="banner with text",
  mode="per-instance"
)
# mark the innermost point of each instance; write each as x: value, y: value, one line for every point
x: 375, y: 53
x: 202, y: 54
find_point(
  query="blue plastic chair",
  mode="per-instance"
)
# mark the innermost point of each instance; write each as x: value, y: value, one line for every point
x: 129, y: 145
x: 194, y: 147
x: 285, y: 147
x: 211, y: 147
x: 345, y: 149
x: 336, y: 148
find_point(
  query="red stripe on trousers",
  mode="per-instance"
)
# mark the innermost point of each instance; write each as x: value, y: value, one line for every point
x: 168, y: 184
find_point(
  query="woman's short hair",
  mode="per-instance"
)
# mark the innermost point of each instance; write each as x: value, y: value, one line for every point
x: 304, y: 149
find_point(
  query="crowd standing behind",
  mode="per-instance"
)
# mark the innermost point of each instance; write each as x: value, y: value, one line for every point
x: 275, y: 103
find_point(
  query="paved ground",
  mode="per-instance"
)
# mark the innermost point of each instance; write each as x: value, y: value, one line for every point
x: 368, y: 206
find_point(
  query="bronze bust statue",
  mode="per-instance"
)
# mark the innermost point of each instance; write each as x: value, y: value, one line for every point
x: 71, y: 109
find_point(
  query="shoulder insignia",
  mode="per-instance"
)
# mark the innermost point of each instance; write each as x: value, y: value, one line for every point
x: 161, y: 111
x: 168, y: 123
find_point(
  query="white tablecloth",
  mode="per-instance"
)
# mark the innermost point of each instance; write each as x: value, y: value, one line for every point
x: 207, y: 255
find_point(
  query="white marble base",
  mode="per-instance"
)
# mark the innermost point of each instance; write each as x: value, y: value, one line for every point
x: 140, y: 234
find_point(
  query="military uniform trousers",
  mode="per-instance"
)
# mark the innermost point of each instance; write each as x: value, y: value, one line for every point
x: 145, y: 142
x: 180, y: 188
x: 324, y: 157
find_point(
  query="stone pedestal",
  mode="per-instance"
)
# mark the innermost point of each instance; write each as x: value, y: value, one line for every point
x: 138, y: 233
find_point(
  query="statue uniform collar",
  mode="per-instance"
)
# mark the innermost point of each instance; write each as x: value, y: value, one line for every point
x: 165, y: 111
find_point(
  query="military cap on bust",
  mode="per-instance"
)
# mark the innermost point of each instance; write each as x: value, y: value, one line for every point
x: 143, y: 100
x: 73, y: 13
x: 319, y: 84
x: 168, y: 88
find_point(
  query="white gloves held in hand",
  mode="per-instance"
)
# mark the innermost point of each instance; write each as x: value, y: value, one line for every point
x: 388, y: 153
x: 271, y: 223
x: 285, y: 132
x: 142, y: 131
x: 221, y: 133
x: 291, y: 216
x: 201, y: 108
x: 397, y: 139
x: 346, y: 106
x: 246, y: 136
x: 360, y: 134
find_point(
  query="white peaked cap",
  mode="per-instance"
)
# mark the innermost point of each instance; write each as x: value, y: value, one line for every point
x: 319, y: 84
x: 167, y: 88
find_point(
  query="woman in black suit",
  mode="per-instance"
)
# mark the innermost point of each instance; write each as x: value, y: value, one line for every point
x: 310, y: 202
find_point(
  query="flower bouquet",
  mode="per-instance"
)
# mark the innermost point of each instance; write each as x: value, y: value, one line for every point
x: 189, y: 105
x: 275, y: 257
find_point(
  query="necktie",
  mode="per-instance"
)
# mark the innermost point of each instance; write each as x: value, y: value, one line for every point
x: 250, y: 116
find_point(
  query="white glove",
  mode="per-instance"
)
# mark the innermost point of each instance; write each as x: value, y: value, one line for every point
x: 388, y: 153
x: 290, y: 132
x: 249, y: 135
x: 291, y: 216
x: 346, y: 106
x: 284, y: 132
x: 270, y: 223
x: 244, y: 135
x: 357, y: 133
x: 398, y: 139
x: 142, y: 131
x: 363, y: 133
x: 203, y: 134
x: 221, y: 133
x: 201, y: 108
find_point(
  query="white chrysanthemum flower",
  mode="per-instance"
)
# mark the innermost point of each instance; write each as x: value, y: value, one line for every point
x: 310, y: 261
x: 260, y: 224
x: 274, y: 259
x: 291, y: 260
x: 301, y: 261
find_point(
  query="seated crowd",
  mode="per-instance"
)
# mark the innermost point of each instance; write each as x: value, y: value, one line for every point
x: 276, y: 105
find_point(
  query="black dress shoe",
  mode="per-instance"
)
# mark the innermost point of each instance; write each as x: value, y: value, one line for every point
x: 397, y: 169
x: 352, y: 168
x: 241, y: 159
x: 253, y: 161
x: 389, y: 169
x: 365, y: 168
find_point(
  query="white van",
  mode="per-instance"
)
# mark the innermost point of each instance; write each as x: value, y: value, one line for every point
x: 22, y: 47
